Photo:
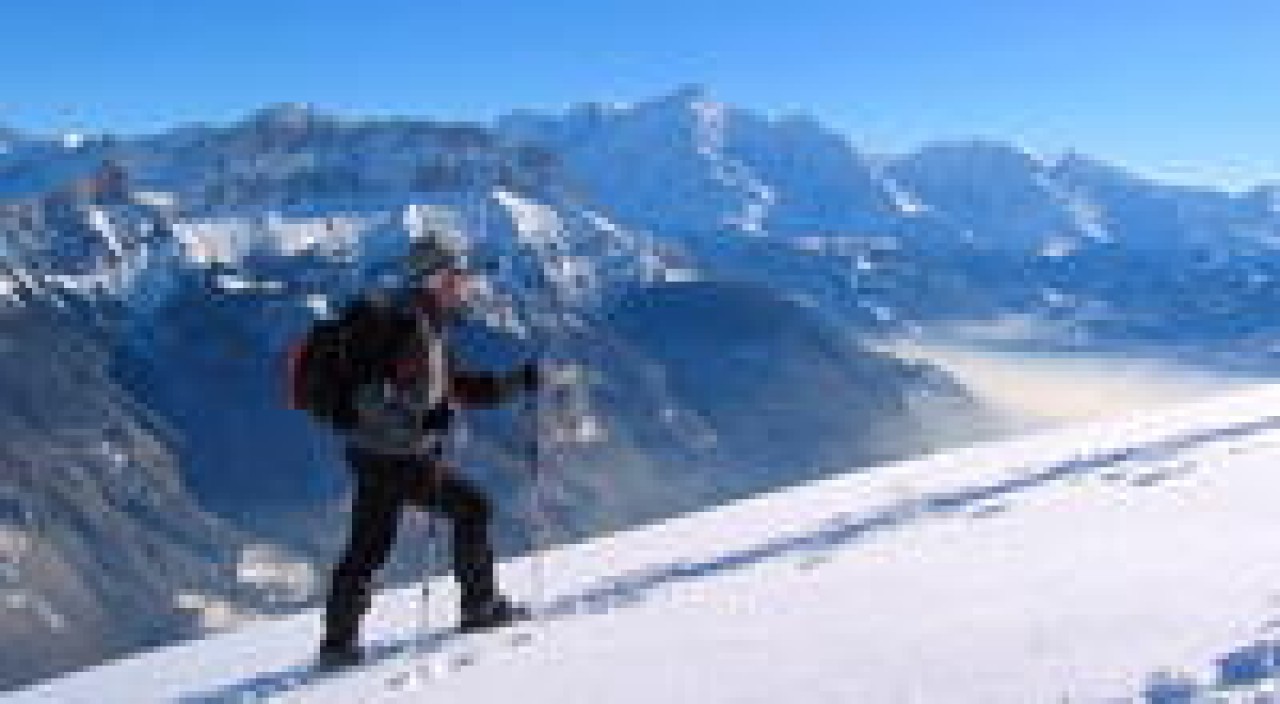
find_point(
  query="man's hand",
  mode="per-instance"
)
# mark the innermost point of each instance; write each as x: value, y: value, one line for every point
x: 528, y: 377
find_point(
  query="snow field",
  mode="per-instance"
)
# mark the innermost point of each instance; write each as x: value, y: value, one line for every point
x: 1128, y: 560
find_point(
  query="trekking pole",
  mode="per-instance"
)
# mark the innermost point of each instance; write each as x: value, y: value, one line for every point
x: 540, y: 428
x: 534, y: 509
x: 428, y: 569
x: 431, y: 559
x: 534, y: 429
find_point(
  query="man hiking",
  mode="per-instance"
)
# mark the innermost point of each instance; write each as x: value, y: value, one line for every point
x: 400, y: 415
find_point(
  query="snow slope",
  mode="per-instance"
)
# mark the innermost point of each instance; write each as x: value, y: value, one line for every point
x: 1131, y: 560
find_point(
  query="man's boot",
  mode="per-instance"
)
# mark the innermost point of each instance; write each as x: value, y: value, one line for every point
x: 496, y: 613
x: 339, y: 655
x: 348, y: 601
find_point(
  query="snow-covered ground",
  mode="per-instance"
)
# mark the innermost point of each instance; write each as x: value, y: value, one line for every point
x: 1128, y: 560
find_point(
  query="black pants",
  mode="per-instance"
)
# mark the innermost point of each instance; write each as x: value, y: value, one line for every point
x: 384, y: 486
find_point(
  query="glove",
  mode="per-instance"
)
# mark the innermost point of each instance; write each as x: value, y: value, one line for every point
x: 528, y: 377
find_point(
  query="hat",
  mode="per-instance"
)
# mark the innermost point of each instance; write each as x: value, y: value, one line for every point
x: 433, y: 253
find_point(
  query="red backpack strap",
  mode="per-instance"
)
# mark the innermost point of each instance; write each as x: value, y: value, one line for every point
x: 293, y: 370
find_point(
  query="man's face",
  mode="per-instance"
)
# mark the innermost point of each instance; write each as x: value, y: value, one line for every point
x: 448, y: 288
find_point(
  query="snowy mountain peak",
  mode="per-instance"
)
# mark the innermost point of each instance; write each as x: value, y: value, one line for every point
x: 1076, y: 168
x: 979, y: 157
x: 684, y: 99
x: 294, y: 115
x: 689, y: 93
x: 697, y: 164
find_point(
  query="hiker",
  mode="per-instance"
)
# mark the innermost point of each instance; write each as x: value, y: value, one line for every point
x: 395, y: 442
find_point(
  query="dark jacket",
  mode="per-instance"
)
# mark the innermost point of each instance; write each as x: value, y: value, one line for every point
x: 408, y: 408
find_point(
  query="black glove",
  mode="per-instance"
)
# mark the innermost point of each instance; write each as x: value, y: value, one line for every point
x: 528, y: 377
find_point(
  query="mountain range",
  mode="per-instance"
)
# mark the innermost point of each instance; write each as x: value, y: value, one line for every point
x: 709, y: 282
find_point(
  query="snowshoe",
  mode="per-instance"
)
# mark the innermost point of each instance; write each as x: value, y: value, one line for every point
x: 495, y: 614
x: 339, y: 656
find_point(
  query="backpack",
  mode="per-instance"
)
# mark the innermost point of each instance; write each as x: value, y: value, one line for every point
x: 336, y: 356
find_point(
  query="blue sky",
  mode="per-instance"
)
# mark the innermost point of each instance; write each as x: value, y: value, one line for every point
x: 1183, y: 89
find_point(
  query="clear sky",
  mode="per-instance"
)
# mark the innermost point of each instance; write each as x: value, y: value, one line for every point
x: 1185, y: 89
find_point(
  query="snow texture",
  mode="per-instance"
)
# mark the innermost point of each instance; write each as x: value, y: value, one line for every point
x: 1132, y: 560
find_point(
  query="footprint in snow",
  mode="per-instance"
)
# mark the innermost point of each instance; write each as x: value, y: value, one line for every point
x: 812, y: 562
x: 1160, y: 475
x: 1114, y: 475
x: 988, y: 510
